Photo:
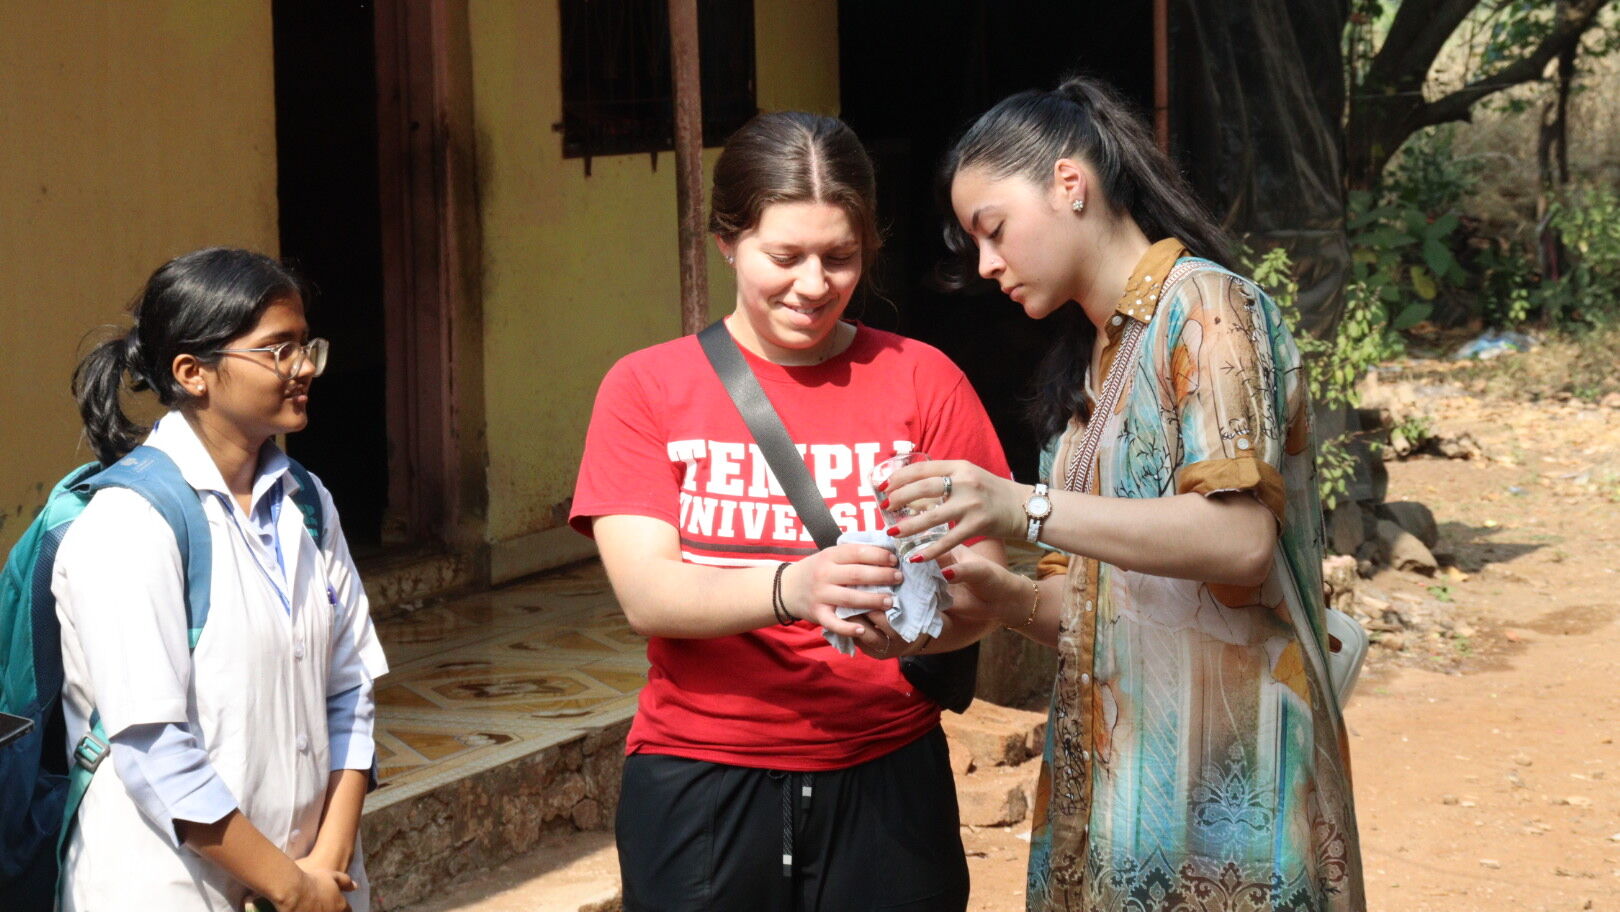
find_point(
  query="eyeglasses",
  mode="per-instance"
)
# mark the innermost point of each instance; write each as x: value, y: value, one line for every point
x: 290, y: 356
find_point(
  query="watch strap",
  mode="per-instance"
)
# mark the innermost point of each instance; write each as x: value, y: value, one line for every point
x: 1032, y: 533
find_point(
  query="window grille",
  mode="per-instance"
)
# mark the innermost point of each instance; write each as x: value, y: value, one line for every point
x: 618, y: 96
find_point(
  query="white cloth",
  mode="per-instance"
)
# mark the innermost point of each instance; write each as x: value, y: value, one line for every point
x: 254, y: 692
x: 919, y: 600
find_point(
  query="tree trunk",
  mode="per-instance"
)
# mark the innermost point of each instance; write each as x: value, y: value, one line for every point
x: 1377, y: 126
x: 1552, y: 160
x: 1388, y: 104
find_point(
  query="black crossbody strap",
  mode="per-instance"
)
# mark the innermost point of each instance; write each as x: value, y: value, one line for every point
x: 769, y: 433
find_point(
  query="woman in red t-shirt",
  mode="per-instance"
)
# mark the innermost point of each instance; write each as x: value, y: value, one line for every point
x: 766, y: 769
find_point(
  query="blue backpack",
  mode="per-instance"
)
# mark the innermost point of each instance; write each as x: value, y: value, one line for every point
x: 40, y: 791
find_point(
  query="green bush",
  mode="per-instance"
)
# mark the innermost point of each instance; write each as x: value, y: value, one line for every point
x: 1588, y: 221
x: 1333, y: 366
x: 1429, y: 175
x: 1509, y: 286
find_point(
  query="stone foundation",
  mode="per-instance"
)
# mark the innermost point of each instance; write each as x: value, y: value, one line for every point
x: 399, y: 584
x: 416, y: 848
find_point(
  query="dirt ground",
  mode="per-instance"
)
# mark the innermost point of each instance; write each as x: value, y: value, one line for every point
x: 1486, y: 767
x: 1486, y: 770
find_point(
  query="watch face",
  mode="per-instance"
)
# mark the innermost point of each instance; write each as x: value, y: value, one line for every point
x: 1038, y: 507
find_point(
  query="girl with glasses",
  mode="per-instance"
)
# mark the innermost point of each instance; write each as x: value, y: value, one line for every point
x: 238, y: 762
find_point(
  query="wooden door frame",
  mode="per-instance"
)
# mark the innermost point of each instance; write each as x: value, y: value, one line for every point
x: 431, y: 262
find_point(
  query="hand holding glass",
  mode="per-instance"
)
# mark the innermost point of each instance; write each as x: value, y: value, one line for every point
x: 880, y: 473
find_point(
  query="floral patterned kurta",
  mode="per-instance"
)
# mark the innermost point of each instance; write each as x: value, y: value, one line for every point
x: 1195, y: 758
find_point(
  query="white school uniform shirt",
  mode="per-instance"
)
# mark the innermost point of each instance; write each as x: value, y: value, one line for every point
x: 253, y: 692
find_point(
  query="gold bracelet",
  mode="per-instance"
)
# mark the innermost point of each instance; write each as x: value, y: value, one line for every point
x: 1034, y: 607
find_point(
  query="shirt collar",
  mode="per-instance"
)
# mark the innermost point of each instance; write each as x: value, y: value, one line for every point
x: 1146, y: 286
x: 174, y: 436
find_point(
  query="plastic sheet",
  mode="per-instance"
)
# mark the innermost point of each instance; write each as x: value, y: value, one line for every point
x: 1494, y: 344
x: 1258, y: 104
x: 1258, y: 100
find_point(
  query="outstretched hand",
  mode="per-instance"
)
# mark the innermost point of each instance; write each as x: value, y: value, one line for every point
x: 976, y: 503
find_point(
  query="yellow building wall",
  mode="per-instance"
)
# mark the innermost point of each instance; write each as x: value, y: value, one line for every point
x: 579, y: 270
x: 130, y: 132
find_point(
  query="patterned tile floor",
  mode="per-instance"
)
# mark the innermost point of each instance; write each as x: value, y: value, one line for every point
x: 484, y: 679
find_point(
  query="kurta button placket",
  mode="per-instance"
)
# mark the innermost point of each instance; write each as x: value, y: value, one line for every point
x: 303, y: 744
x: 298, y: 650
x: 1073, y: 772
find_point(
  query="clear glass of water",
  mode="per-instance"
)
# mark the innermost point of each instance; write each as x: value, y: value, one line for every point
x: 879, y: 474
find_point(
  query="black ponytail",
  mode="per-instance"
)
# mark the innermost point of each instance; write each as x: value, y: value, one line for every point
x: 1024, y: 135
x: 192, y: 305
x: 1138, y: 177
x: 97, y: 382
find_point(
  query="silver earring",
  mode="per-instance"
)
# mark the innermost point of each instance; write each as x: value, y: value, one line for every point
x: 1078, y: 205
x: 731, y: 260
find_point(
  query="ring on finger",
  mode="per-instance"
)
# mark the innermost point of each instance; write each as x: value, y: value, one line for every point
x: 948, y: 484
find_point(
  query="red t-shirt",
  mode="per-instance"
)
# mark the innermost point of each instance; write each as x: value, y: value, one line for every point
x: 666, y: 442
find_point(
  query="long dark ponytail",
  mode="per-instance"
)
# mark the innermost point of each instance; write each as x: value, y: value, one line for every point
x: 1084, y: 118
x: 192, y: 305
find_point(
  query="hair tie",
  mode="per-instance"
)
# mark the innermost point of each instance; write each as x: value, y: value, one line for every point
x: 134, y: 355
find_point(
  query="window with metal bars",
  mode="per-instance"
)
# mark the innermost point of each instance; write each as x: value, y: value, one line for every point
x: 618, y: 95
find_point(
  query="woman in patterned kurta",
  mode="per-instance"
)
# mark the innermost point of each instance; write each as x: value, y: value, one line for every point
x: 1195, y: 757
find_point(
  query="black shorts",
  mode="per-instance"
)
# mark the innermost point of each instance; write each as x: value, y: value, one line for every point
x: 705, y: 837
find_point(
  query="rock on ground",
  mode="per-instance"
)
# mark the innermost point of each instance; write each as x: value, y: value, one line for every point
x: 995, y: 752
x: 1403, y: 550
x: 1414, y: 518
x: 990, y: 735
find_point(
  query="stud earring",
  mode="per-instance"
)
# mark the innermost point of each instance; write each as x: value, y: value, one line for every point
x: 1078, y: 205
x: 731, y: 260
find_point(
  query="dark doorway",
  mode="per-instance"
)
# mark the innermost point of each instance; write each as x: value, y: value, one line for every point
x: 911, y: 79
x: 326, y: 142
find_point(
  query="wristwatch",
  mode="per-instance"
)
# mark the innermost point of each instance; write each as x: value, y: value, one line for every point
x: 1038, y: 507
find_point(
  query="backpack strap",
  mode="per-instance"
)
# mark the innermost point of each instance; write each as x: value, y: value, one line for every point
x: 33, y: 575
x: 87, y: 756
x: 150, y: 473
x: 308, y: 500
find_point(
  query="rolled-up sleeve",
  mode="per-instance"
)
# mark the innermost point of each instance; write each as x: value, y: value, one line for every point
x: 350, y: 718
x: 1225, y: 380
x: 357, y: 659
x: 167, y: 774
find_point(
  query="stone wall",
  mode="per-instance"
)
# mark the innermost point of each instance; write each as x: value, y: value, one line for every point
x: 415, y: 848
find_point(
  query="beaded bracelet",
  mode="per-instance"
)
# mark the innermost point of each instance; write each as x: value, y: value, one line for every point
x: 1034, y: 607
x: 779, y: 604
